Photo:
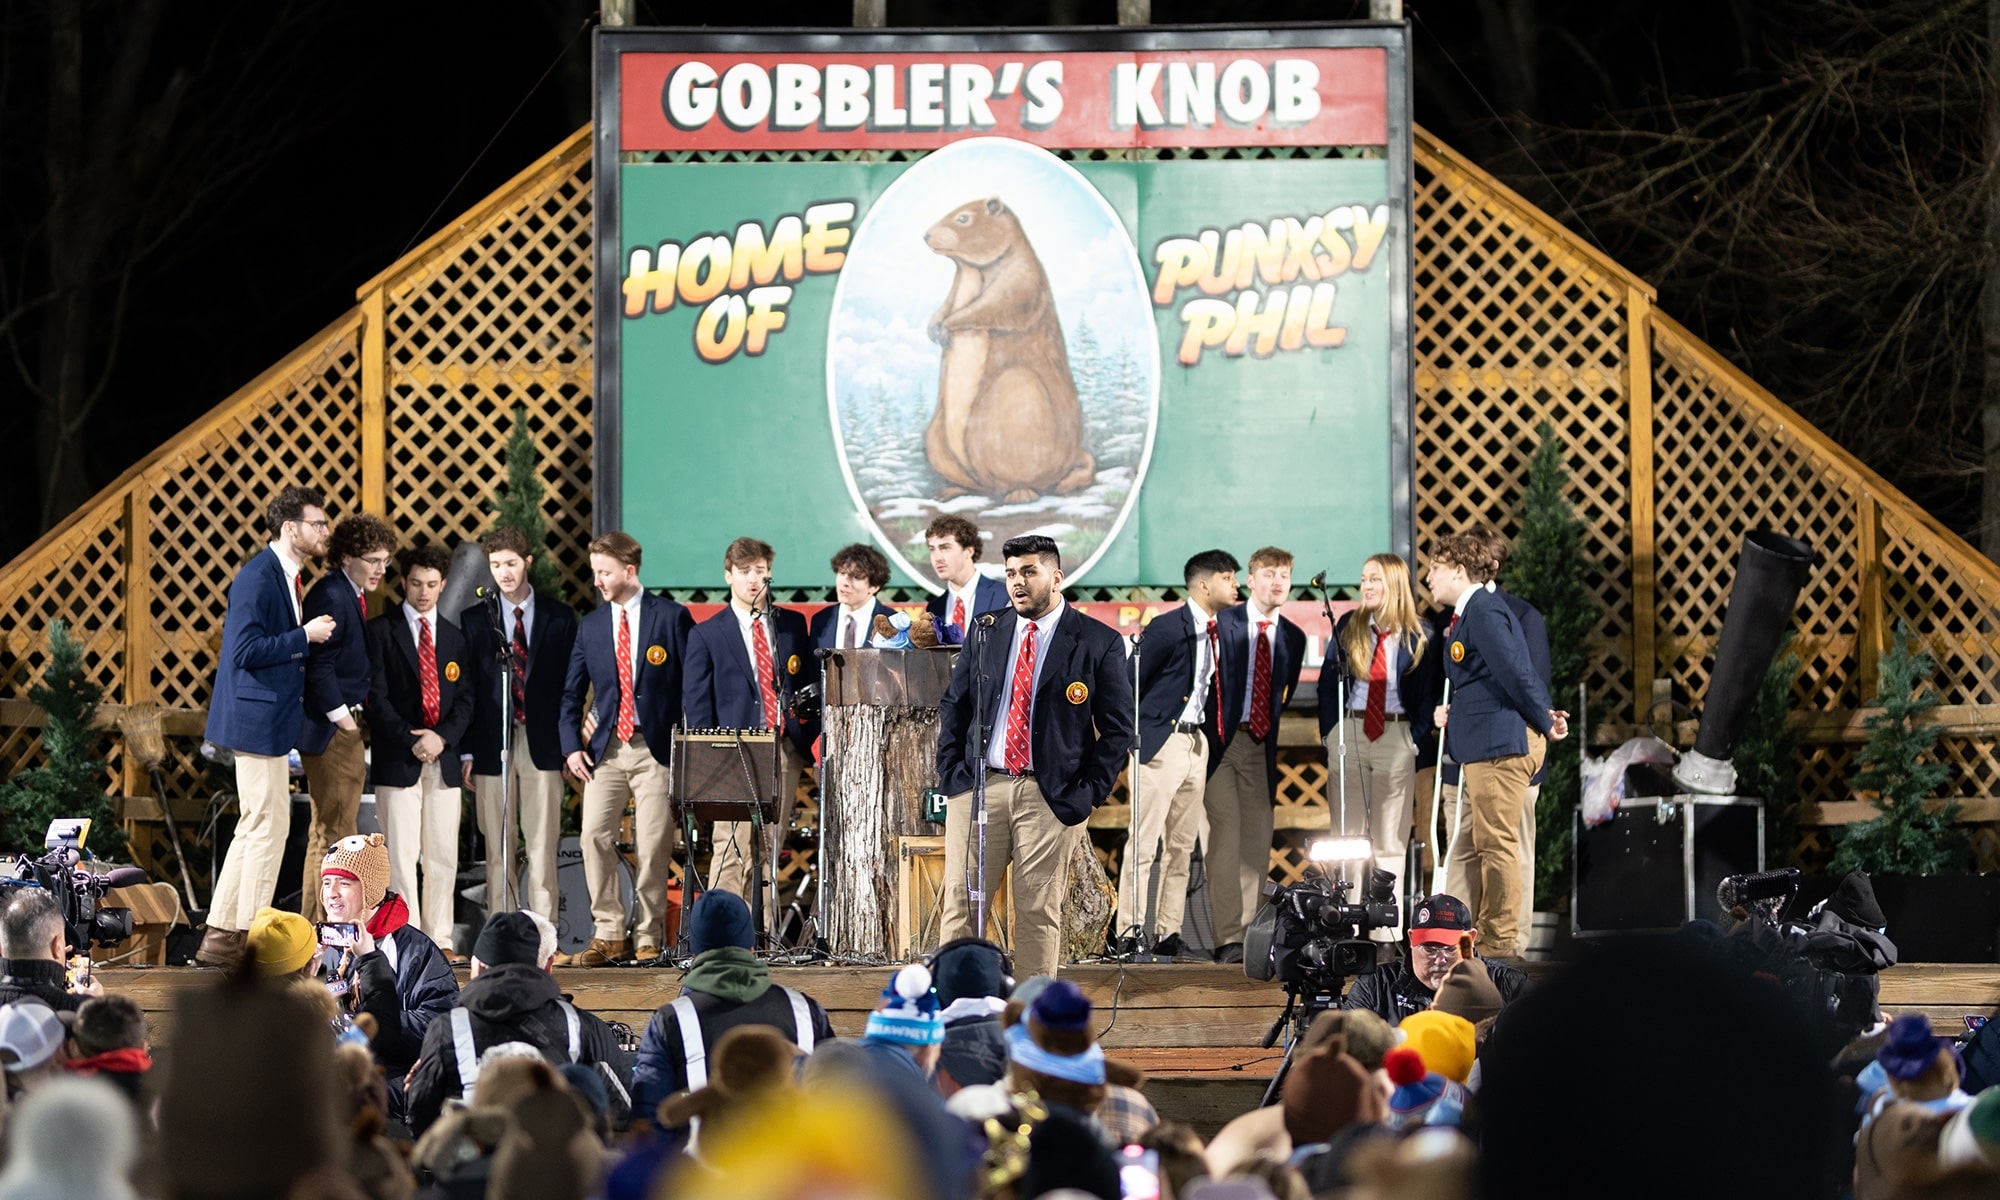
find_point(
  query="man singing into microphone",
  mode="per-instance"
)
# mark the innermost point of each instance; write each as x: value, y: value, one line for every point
x: 742, y: 662
x: 1056, y: 725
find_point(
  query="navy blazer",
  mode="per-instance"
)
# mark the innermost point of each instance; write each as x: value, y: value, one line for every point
x: 1496, y: 696
x: 1168, y: 656
x: 1533, y: 631
x: 258, y: 703
x: 396, y: 701
x: 824, y: 628
x: 721, y: 691
x: 337, y: 670
x: 988, y: 595
x: 665, y: 626
x: 551, y: 637
x: 1417, y: 681
x: 1082, y: 715
x: 1288, y: 653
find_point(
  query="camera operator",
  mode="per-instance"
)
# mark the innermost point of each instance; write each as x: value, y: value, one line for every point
x: 393, y: 971
x: 1395, y: 990
x: 32, y: 941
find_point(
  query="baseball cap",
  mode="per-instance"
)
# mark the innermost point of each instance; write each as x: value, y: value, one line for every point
x: 1440, y: 919
x: 30, y: 1033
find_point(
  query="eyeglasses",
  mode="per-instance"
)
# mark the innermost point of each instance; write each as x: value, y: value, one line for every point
x: 377, y: 561
x: 1436, y: 949
x: 322, y: 523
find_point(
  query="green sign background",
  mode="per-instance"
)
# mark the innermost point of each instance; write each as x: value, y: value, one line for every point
x: 1294, y: 449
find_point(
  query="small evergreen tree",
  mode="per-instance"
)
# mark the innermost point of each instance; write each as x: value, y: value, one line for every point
x: 1766, y: 757
x: 1548, y: 569
x: 1900, y: 775
x: 519, y: 504
x: 70, y: 781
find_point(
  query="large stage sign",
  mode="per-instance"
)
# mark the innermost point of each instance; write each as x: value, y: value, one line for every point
x: 846, y: 284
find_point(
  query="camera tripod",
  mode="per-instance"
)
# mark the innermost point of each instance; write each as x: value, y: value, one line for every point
x: 1304, y: 1002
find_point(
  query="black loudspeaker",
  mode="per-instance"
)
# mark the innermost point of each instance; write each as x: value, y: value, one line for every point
x: 1656, y: 864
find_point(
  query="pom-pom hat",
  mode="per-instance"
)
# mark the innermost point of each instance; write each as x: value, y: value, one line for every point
x: 364, y: 859
x: 908, y: 1014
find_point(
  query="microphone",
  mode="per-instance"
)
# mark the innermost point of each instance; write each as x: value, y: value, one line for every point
x: 490, y: 595
x: 1317, y: 582
x: 985, y: 620
x: 119, y: 877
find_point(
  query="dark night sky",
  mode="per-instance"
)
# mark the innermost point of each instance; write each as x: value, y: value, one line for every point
x: 366, y: 114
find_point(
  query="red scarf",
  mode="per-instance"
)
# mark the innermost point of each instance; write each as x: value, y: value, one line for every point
x: 130, y: 1061
x: 390, y: 915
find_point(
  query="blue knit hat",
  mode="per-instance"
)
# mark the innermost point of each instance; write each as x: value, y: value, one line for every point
x: 720, y: 918
x: 1910, y: 1048
x: 908, y: 1014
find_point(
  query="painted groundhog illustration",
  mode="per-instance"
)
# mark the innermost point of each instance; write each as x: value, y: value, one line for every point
x: 1007, y: 421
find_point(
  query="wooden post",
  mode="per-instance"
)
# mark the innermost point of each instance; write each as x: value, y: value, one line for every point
x: 374, y: 411
x: 1639, y: 409
x: 1868, y: 643
x: 138, y: 681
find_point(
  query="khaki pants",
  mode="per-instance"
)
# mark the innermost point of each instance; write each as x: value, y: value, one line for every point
x: 421, y: 825
x: 1462, y: 882
x: 535, y: 808
x: 249, y: 872
x: 1021, y: 830
x: 334, y: 779
x: 1495, y: 792
x: 628, y: 772
x: 1238, y: 858
x: 729, y: 869
x: 1381, y: 798
x: 1165, y: 814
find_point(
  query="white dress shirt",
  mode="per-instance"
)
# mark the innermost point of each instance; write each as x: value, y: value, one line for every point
x: 292, y: 593
x: 744, y: 624
x: 527, y: 608
x: 968, y: 594
x: 1204, y: 664
x: 632, y: 610
x: 1253, y: 616
x: 1045, y: 628
x: 863, y: 620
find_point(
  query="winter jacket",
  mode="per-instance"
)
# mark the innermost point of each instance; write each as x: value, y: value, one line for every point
x: 729, y: 988
x: 511, y: 1003
x: 403, y: 999
x: 1392, y: 991
x: 38, y: 979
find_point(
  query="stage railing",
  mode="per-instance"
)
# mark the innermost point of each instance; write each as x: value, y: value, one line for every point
x: 403, y: 405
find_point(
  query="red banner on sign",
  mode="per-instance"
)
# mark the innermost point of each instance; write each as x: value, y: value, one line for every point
x: 1129, y: 618
x: 1285, y: 97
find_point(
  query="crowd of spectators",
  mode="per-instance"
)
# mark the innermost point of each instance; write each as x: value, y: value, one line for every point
x: 1656, y: 1068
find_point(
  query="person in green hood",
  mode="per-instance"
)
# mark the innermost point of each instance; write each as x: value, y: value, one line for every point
x: 726, y: 987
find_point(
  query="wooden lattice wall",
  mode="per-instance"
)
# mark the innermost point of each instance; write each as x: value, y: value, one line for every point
x: 402, y: 406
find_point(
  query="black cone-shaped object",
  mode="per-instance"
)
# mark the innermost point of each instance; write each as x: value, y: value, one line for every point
x: 1769, y: 574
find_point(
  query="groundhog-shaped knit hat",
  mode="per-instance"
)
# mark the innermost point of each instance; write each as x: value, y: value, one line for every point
x: 362, y: 859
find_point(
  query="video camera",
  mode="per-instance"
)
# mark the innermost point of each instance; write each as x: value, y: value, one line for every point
x: 1310, y: 938
x: 80, y: 893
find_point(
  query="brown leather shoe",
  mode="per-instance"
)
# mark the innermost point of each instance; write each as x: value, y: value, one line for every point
x: 646, y: 953
x: 601, y: 952
x: 454, y: 958
x: 221, y: 947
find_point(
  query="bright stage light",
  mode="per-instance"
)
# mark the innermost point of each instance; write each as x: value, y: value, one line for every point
x: 1340, y: 849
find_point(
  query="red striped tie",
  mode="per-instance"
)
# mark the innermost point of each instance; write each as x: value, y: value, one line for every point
x: 1260, y: 685
x: 958, y: 611
x: 767, y: 684
x: 628, y: 715
x: 1020, y: 703
x: 427, y: 672
x: 1377, y: 715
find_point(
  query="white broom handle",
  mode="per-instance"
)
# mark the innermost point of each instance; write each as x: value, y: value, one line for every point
x: 1437, y: 805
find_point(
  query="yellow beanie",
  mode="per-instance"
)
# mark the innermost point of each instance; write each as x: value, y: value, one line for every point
x: 1445, y: 1041
x: 281, y: 942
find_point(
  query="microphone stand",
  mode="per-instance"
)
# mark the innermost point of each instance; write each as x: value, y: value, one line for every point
x: 783, y: 686
x: 1138, y: 910
x: 977, y: 637
x: 1437, y: 802
x: 1339, y: 658
x: 504, y: 655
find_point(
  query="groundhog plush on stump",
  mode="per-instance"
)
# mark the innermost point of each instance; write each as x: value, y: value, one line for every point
x: 1007, y: 421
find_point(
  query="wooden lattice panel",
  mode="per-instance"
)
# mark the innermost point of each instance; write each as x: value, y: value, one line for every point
x: 82, y: 583
x: 1512, y: 330
x: 1950, y: 608
x: 495, y: 318
x: 1726, y: 469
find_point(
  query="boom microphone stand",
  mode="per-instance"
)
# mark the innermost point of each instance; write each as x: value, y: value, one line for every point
x: 503, y: 654
x: 1339, y: 658
x: 982, y: 629
x: 768, y: 903
x: 1138, y: 910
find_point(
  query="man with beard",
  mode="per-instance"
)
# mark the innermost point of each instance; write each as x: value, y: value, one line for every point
x: 1394, y: 990
x: 1056, y: 724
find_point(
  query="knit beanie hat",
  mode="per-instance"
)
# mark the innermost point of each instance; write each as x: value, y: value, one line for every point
x: 908, y: 1012
x: 1327, y: 1091
x: 968, y: 967
x: 1422, y: 1096
x: 508, y: 938
x: 364, y: 859
x: 281, y: 942
x: 1445, y: 1041
x: 720, y: 918
x: 1054, y: 1037
x: 1909, y: 1050
x: 1468, y: 991
x: 75, y: 1137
